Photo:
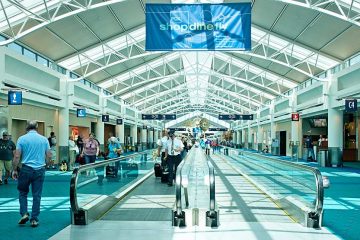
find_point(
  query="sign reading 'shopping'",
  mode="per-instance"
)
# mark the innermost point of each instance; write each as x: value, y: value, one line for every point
x: 198, y: 26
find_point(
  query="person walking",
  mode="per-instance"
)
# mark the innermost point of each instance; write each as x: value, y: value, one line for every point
x: 52, y: 143
x: 310, y: 150
x: 7, y: 151
x: 162, y: 147
x: 73, y: 151
x: 34, y: 150
x: 173, y: 151
x: 90, y: 149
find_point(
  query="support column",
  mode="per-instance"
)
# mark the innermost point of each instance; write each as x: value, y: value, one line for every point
x: 260, y: 134
x: 120, y: 133
x: 243, y: 138
x: 238, y: 136
x: 99, y: 132
x: 64, y: 116
x: 250, y: 140
x: 143, y: 138
x: 133, y: 133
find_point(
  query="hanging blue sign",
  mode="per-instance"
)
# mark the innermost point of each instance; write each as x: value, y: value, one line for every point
x: 81, y: 112
x: 119, y: 121
x: 15, y: 98
x: 350, y: 105
x: 218, y: 129
x: 152, y: 117
x: 198, y: 26
x: 176, y: 129
x: 229, y: 116
x: 105, y: 118
x: 246, y: 117
x: 169, y: 116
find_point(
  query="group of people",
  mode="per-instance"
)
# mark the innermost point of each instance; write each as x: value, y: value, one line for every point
x: 172, y: 151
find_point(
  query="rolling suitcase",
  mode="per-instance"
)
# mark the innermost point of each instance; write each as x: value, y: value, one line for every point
x: 165, y: 176
x: 158, y: 170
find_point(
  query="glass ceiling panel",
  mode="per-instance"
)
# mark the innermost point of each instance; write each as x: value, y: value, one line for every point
x: 112, y: 46
x: 295, y: 51
x: 16, y: 15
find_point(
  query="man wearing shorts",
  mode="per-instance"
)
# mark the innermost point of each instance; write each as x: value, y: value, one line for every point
x: 7, y: 150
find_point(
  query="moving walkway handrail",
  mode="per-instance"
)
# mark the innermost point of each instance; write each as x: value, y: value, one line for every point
x: 178, y: 185
x: 318, y: 178
x: 75, y: 175
x: 212, y: 188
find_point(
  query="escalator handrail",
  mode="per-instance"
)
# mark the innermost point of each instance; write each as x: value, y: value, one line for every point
x: 317, y: 174
x: 212, y: 187
x: 178, y: 184
x: 75, y: 175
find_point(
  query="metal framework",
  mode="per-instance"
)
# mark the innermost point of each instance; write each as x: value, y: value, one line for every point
x: 347, y: 10
x: 20, y: 24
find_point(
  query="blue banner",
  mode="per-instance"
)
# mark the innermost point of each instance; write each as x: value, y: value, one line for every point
x: 198, y: 27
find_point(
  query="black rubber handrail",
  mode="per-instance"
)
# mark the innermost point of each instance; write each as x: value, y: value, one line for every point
x: 212, y: 188
x: 318, y: 179
x: 75, y: 175
x: 178, y: 185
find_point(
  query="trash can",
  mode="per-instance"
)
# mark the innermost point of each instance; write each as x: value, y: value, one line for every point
x: 335, y: 156
x: 323, y: 158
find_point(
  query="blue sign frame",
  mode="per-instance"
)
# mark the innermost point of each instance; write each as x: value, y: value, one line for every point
x: 14, y: 98
x: 81, y: 112
x: 225, y: 26
x: 105, y: 118
x: 350, y: 105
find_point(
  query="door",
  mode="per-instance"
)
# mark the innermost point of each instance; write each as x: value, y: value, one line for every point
x: 282, y: 143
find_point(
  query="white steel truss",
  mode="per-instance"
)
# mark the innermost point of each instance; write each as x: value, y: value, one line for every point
x: 16, y: 16
x: 347, y: 10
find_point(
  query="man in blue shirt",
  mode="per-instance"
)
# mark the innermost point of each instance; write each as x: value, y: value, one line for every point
x: 34, y: 150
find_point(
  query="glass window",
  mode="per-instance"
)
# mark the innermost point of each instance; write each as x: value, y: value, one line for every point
x: 42, y: 61
x: 16, y: 47
x: 29, y: 54
x: 61, y: 70
x: 354, y: 60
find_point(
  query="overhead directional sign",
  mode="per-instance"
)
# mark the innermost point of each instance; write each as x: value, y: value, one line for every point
x: 119, y: 121
x: 236, y: 116
x: 350, y: 105
x: 246, y: 117
x: 158, y: 116
x: 152, y: 117
x: 295, y: 117
x: 177, y: 129
x: 217, y: 129
x: 229, y: 116
x: 169, y: 116
x: 81, y: 112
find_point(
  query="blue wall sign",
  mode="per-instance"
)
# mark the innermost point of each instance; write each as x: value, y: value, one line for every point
x: 105, y: 118
x: 198, y: 26
x: 81, y: 112
x: 15, y: 98
x: 350, y: 105
x: 119, y: 121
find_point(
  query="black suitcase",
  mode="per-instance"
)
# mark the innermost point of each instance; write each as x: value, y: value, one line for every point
x: 158, y: 170
x: 111, y: 172
x: 165, y: 177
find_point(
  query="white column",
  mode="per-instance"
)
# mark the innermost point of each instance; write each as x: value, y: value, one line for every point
x: 238, y: 136
x: 249, y: 140
x: 243, y: 138
x: 120, y: 133
x: 64, y: 116
x: 151, y: 136
x: 272, y: 122
x: 335, y: 128
x: 99, y: 131
x: 133, y: 134
x: 143, y: 136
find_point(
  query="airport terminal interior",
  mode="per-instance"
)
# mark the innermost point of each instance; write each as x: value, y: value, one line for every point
x: 261, y: 93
